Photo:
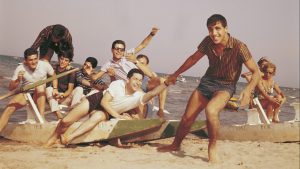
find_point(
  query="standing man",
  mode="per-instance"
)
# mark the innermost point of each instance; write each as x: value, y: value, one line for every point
x: 32, y: 70
x: 53, y: 38
x: 226, y: 57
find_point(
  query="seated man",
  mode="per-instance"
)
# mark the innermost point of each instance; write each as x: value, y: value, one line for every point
x: 84, y: 85
x: 118, y: 67
x: 65, y: 84
x: 32, y: 70
x: 120, y: 97
x: 144, y: 60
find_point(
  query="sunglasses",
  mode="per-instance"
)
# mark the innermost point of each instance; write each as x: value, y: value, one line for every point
x: 120, y: 49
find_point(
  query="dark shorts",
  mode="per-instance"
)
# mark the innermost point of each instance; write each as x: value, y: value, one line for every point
x: 95, y: 101
x: 209, y: 86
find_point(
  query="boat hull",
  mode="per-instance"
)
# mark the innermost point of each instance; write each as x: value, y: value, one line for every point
x: 167, y: 129
x: 274, y: 132
x: 40, y: 133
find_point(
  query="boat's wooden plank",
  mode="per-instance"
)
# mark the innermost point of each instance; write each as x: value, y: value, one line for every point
x: 39, y: 133
x: 168, y: 129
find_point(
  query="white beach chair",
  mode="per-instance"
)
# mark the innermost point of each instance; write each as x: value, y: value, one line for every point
x: 253, y: 117
x: 261, y: 110
x: 297, y: 114
x: 32, y: 110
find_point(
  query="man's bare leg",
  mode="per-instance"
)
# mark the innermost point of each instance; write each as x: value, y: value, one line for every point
x: 17, y: 102
x: 162, y: 100
x: 89, y: 124
x: 195, y: 105
x: 74, y: 115
x: 213, y: 108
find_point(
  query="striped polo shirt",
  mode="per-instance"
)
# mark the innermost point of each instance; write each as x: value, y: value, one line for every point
x: 45, y: 35
x: 80, y: 75
x: 121, y: 68
x: 228, y: 67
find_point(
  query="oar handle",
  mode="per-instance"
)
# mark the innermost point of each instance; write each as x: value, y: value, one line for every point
x: 38, y: 83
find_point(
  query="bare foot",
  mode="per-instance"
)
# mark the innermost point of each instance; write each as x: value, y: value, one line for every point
x: 116, y: 142
x: 212, y: 155
x: 168, y: 148
x: 64, y: 140
x: 160, y: 113
x: 50, y: 142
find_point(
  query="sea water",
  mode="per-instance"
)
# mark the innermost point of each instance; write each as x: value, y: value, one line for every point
x: 177, y: 97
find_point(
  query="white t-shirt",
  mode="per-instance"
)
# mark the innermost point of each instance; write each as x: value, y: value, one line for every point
x: 122, y: 68
x: 122, y: 102
x: 40, y: 73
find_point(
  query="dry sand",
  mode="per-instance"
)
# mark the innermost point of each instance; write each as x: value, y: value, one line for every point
x: 193, y: 154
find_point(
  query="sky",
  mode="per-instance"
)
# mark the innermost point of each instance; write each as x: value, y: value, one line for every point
x: 268, y: 27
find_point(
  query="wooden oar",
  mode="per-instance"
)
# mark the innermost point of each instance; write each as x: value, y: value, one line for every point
x: 38, y: 83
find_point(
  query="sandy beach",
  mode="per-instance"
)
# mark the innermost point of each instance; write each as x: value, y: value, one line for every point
x: 193, y: 154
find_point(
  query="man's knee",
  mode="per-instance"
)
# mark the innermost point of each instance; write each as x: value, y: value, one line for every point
x: 65, y: 123
x: 211, y: 113
x: 78, y: 90
x: 98, y: 116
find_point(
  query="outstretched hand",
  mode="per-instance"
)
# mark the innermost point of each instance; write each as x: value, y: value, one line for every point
x: 154, y: 31
x: 171, y: 79
x: 153, y: 82
x: 131, y: 58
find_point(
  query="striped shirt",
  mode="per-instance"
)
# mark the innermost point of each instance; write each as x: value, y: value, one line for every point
x: 80, y: 75
x: 45, y: 36
x: 226, y: 68
x: 121, y: 68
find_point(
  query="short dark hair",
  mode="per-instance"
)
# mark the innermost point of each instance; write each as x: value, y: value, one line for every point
x: 215, y: 18
x: 29, y: 52
x: 59, y: 31
x: 118, y: 42
x: 134, y: 70
x: 66, y: 54
x: 93, y: 61
x: 143, y: 56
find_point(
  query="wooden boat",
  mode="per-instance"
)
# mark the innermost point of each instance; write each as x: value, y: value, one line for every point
x: 254, y: 130
x: 167, y: 129
x: 39, y: 133
x: 274, y: 132
x: 126, y: 130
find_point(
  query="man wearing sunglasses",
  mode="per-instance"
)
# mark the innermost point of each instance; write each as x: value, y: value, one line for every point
x: 118, y: 67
